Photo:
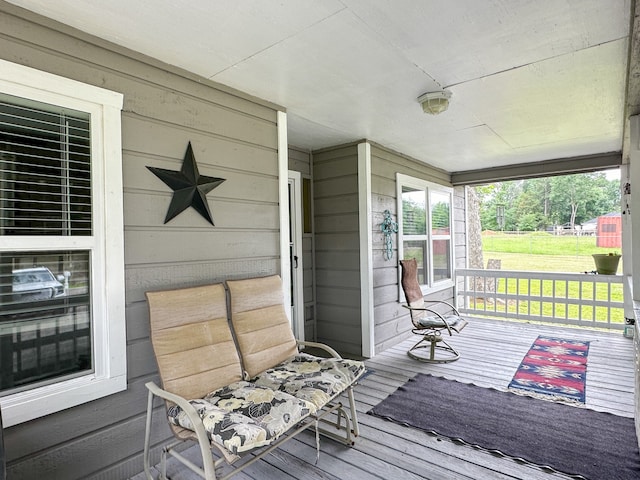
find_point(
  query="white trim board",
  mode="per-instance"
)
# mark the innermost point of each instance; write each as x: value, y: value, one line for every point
x: 366, y: 250
x: 283, y: 194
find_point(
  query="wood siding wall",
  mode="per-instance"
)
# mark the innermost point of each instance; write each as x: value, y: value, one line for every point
x: 636, y: 345
x: 392, y: 323
x: 460, y: 226
x: 233, y: 137
x: 335, y: 176
x: 300, y: 161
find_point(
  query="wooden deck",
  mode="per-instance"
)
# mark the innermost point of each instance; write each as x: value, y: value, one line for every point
x: 490, y: 354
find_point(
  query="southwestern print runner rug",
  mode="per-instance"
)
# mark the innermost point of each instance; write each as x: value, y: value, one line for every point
x: 553, y: 369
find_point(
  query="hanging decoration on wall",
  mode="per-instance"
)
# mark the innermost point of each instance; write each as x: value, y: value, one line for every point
x: 626, y: 199
x: 388, y: 227
x: 189, y: 187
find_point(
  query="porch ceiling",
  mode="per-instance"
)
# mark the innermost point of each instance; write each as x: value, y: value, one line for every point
x: 531, y: 80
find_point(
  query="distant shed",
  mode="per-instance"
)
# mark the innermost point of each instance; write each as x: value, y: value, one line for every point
x: 609, y: 231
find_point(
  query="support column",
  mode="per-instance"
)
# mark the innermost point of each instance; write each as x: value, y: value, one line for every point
x: 631, y: 209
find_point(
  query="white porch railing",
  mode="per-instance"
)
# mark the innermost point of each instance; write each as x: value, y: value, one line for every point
x: 566, y: 298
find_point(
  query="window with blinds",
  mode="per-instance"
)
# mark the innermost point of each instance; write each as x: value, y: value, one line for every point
x: 425, y: 229
x: 45, y: 190
x: 45, y: 161
x: 62, y: 290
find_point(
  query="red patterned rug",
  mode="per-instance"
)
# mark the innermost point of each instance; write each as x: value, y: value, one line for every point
x: 553, y: 369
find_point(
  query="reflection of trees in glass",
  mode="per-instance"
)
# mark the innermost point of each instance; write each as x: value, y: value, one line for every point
x: 440, y: 218
x: 414, y: 217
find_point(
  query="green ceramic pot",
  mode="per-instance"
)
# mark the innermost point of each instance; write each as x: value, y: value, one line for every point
x: 606, y: 264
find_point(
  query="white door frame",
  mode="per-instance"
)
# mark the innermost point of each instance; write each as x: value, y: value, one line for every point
x: 295, y: 245
x: 284, y: 210
x: 283, y: 195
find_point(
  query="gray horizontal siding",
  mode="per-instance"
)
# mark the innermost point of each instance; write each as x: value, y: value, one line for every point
x: 337, y: 248
x: 392, y: 323
x: 234, y: 137
x: 460, y: 226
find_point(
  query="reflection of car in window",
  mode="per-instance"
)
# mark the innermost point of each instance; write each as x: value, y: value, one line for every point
x: 37, y: 283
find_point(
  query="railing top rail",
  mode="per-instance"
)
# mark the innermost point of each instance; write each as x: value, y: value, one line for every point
x: 579, y: 277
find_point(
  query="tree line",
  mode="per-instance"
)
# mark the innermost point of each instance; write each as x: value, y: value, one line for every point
x: 540, y: 203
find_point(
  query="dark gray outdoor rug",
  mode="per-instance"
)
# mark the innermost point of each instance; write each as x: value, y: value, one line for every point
x: 573, y: 440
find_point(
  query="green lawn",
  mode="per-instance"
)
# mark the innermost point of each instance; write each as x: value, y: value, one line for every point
x: 543, y: 252
x: 550, y: 253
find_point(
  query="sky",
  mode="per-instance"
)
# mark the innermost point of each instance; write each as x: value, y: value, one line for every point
x: 613, y: 174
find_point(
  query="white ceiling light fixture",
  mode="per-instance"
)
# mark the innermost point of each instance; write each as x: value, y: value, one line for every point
x: 435, y: 103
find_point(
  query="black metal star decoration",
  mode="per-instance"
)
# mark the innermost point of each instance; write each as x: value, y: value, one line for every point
x: 189, y: 187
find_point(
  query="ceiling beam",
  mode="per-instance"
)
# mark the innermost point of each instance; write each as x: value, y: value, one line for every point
x: 561, y: 166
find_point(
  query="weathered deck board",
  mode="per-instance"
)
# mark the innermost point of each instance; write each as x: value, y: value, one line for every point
x: 490, y: 354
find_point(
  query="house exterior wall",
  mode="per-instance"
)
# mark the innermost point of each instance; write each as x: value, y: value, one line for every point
x: 392, y: 322
x: 338, y: 245
x: 233, y: 137
x: 460, y: 226
x: 335, y: 186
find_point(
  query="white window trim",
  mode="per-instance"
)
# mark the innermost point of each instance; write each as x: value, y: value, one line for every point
x: 406, y: 180
x: 107, y: 244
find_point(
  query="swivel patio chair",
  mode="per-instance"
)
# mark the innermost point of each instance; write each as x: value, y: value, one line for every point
x: 430, y: 319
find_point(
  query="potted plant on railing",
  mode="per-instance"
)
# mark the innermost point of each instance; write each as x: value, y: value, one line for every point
x: 606, y: 263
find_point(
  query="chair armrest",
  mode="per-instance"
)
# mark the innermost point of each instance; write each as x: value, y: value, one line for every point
x: 426, y: 309
x: 188, y: 409
x: 321, y: 346
x: 446, y: 303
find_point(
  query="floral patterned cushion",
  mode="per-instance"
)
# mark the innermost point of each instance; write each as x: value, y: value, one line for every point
x: 243, y: 415
x: 314, y: 379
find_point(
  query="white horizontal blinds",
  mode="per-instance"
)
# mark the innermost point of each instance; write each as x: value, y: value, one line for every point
x: 414, y: 229
x: 440, y: 204
x: 45, y: 169
x: 440, y: 213
x: 45, y: 317
x: 426, y: 230
x: 414, y: 211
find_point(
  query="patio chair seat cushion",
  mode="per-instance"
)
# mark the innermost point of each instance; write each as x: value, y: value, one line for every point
x: 435, y: 321
x: 243, y: 416
x: 310, y: 378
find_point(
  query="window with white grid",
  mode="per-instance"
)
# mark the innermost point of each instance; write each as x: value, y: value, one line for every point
x: 425, y: 230
x: 62, y: 329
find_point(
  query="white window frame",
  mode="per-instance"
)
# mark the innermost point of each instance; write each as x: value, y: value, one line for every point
x: 429, y: 187
x: 106, y: 245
